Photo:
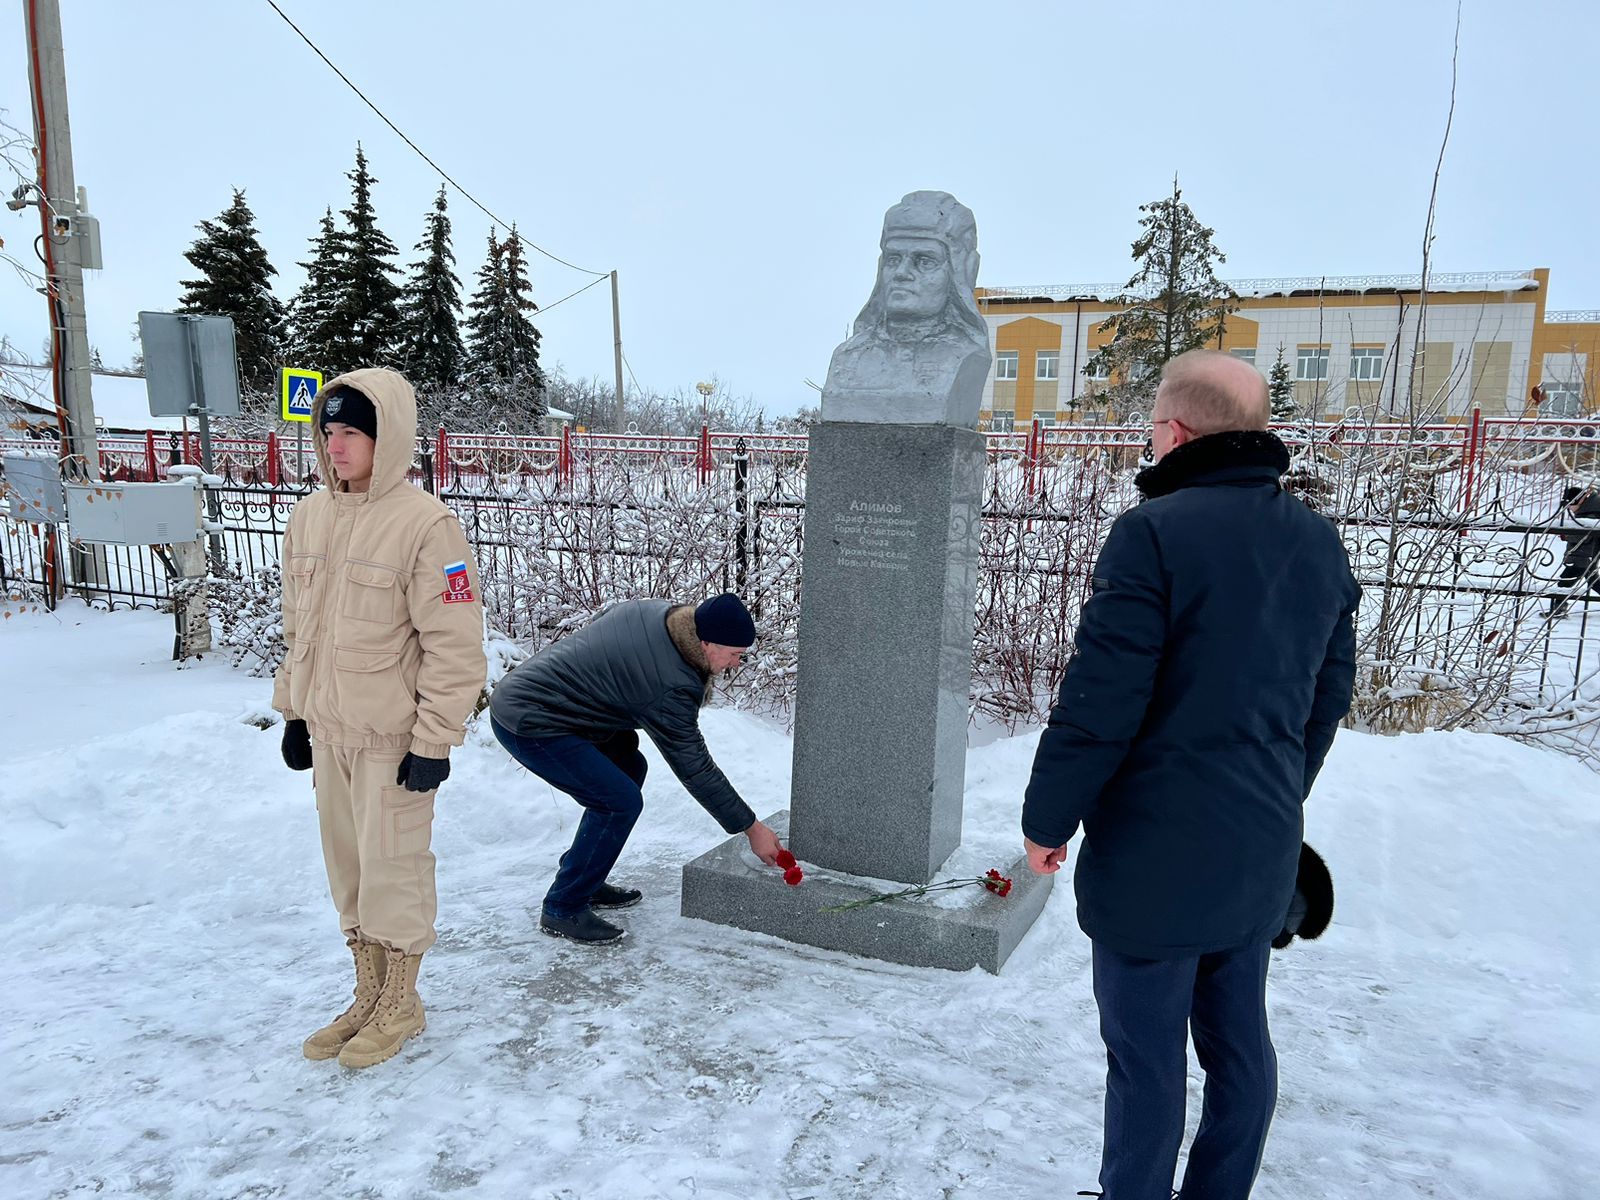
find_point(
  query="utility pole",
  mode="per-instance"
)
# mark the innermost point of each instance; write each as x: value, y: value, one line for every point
x: 70, y: 239
x: 616, y: 329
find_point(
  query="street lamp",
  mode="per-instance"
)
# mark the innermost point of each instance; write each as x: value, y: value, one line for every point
x: 705, y: 390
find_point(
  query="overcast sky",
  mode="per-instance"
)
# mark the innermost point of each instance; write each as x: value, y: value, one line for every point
x: 733, y: 161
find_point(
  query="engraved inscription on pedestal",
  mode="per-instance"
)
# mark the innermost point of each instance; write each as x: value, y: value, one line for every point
x: 875, y: 535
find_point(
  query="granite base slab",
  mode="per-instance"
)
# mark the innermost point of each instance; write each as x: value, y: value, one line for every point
x: 954, y: 930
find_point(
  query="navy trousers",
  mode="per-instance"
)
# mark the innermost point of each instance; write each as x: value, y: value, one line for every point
x: 1146, y: 1008
x: 606, y: 778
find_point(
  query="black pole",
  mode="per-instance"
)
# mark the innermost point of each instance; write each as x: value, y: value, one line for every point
x: 741, y: 536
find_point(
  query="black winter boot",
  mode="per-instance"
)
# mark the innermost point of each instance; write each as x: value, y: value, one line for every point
x: 585, y: 927
x: 607, y: 896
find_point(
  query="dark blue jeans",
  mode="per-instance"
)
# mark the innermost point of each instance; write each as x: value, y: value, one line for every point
x: 606, y: 779
x: 1146, y: 1008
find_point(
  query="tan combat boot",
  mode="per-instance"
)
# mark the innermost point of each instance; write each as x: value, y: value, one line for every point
x: 397, y: 1017
x: 330, y: 1039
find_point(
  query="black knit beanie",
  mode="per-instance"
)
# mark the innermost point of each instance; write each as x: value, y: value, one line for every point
x: 346, y: 406
x: 725, y: 621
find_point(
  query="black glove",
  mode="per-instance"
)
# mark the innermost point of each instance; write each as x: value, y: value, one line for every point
x: 296, y: 746
x: 421, y: 774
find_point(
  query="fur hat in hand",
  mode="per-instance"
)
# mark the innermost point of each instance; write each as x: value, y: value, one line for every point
x: 1311, y: 906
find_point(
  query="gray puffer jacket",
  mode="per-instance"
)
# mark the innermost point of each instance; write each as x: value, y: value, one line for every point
x: 636, y: 666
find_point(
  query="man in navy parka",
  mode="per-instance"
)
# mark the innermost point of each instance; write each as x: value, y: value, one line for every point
x: 1214, y: 661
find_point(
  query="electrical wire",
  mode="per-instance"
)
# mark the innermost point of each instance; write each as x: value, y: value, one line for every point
x: 442, y: 173
x: 544, y: 308
x: 631, y: 375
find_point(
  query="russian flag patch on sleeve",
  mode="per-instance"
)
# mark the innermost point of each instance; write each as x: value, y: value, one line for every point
x: 458, y: 584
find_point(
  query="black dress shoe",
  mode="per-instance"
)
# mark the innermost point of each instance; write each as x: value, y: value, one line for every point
x: 585, y: 927
x: 606, y: 896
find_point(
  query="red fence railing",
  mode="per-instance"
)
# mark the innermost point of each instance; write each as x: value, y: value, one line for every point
x: 447, y: 458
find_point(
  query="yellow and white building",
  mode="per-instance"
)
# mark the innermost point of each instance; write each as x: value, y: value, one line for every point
x: 1486, y: 339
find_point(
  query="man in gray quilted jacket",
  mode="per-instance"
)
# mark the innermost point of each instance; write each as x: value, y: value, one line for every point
x: 570, y: 714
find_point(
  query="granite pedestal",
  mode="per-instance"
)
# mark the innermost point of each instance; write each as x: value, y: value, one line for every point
x: 955, y: 930
x: 887, y: 591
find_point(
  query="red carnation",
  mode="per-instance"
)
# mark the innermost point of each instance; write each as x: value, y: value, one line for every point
x: 997, y: 883
x: 793, y: 875
x: 785, y: 859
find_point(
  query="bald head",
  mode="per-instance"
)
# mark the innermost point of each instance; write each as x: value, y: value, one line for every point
x: 1213, y: 392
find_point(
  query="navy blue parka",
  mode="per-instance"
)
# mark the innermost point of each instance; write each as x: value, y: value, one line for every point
x: 1214, y: 660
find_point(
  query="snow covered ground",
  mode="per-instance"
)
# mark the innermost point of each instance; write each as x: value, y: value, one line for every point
x: 168, y: 942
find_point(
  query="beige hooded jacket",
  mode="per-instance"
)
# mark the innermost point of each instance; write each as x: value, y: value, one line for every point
x: 382, y: 610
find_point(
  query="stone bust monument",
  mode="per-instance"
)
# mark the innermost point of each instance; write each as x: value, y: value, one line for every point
x: 920, y: 350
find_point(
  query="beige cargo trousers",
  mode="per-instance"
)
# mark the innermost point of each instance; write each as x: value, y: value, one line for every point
x: 375, y: 843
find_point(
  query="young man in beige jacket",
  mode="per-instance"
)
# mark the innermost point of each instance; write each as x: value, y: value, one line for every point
x: 383, y: 619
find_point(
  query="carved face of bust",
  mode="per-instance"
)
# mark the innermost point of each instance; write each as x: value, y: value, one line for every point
x: 915, y: 275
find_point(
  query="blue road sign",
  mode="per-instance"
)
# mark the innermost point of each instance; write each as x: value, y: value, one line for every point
x: 299, y: 389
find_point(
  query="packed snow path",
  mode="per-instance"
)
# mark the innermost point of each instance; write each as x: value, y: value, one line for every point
x: 169, y: 942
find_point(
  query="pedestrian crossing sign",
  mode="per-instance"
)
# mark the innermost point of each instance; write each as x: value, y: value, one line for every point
x: 299, y: 389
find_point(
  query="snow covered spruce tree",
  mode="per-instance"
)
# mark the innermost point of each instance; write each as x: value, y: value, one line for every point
x: 503, y: 345
x: 348, y: 313
x: 1174, y: 302
x: 312, y: 335
x: 431, y: 353
x: 1280, y: 390
x: 235, y: 280
x: 365, y: 316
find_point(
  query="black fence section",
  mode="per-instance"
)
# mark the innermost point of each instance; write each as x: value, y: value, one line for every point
x: 40, y: 563
x: 1459, y: 579
x: 253, y: 521
x: 28, y: 554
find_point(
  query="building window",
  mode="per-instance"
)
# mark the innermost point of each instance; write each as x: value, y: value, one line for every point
x: 1005, y: 364
x: 1311, y: 362
x: 1047, y: 420
x: 1248, y: 355
x: 1048, y: 364
x: 1366, y: 363
x: 1096, y: 371
x: 1562, y: 400
x: 1002, y: 422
